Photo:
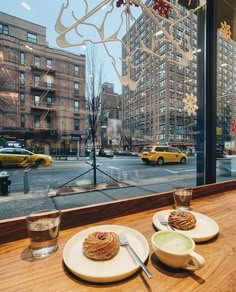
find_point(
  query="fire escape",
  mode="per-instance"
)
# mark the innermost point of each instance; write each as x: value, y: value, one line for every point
x: 43, y: 109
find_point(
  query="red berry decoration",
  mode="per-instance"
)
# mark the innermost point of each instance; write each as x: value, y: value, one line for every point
x: 162, y: 7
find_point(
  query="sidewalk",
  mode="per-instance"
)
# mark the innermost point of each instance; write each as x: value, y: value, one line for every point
x: 20, y: 204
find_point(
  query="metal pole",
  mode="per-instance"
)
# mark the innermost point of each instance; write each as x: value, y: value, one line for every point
x: 26, y: 181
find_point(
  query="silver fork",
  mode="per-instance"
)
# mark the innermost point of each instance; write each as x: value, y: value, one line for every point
x: 164, y: 222
x: 124, y: 242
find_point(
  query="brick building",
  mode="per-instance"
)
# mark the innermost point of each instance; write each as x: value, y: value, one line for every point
x: 42, y: 89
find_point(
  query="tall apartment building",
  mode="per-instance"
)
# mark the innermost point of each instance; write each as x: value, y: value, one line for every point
x: 42, y: 89
x: 155, y: 110
x: 226, y: 90
x: 111, y: 124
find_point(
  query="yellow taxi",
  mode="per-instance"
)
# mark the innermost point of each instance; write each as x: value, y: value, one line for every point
x: 162, y: 154
x: 23, y: 158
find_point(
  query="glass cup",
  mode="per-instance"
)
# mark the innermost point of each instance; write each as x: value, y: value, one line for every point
x: 182, y: 198
x: 43, y: 230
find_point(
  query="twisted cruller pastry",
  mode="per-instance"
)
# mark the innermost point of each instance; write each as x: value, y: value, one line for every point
x: 101, y: 245
x: 182, y: 220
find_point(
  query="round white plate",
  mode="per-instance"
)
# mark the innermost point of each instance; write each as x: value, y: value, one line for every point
x: 205, y: 229
x: 117, y: 268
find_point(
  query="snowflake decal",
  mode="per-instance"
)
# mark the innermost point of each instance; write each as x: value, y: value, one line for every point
x: 234, y: 126
x: 162, y: 6
x: 190, y: 104
x: 225, y: 31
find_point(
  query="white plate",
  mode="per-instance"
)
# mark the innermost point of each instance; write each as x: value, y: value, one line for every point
x: 205, y: 229
x: 117, y: 268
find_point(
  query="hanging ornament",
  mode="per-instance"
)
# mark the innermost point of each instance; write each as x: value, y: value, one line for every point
x: 225, y: 31
x: 125, y: 2
x: 103, y: 31
x: 190, y: 104
x: 234, y: 126
x: 163, y: 7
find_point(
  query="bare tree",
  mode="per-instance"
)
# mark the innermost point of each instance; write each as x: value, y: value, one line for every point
x: 95, y: 114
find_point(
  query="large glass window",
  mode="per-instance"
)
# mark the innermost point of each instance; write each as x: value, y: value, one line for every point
x: 162, y: 93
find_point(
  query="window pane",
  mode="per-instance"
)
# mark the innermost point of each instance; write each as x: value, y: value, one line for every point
x: 31, y: 37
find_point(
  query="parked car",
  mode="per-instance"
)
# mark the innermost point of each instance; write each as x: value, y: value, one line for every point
x: 23, y: 158
x: 125, y: 153
x: 162, y: 154
x: 220, y: 153
x: 105, y: 153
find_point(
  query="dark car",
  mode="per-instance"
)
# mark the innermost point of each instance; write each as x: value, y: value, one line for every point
x: 220, y: 153
x: 105, y: 153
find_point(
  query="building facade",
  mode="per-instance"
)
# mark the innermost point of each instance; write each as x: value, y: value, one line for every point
x: 155, y: 110
x: 42, y: 90
x: 111, y: 126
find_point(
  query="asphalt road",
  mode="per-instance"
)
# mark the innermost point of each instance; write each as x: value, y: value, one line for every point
x: 123, y: 169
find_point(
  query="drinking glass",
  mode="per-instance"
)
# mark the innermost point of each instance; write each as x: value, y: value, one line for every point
x: 182, y: 198
x: 43, y: 230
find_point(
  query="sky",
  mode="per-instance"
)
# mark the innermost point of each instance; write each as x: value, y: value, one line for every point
x: 45, y: 13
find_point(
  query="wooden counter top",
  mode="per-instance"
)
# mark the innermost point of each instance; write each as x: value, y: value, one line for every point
x: 19, y: 272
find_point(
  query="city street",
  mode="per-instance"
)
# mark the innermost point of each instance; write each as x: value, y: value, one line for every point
x: 130, y: 170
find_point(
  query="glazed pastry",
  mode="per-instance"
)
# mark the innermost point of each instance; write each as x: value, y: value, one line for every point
x: 182, y: 220
x: 101, y: 246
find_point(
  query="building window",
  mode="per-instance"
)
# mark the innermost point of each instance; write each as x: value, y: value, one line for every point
x: 48, y: 121
x: 4, y: 29
x: 36, y: 99
x: 49, y: 100
x: 49, y: 83
x: 36, y: 121
x: 76, y: 125
x: 22, y: 120
x: 76, y: 70
x: 22, y: 78
x: 76, y: 106
x: 22, y: 99
x: 37, y: 61
x: 76, y: 88
x: 49, y: 63
x: 36, y: 80
x: 22, y: 58
x: 32, y: 37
